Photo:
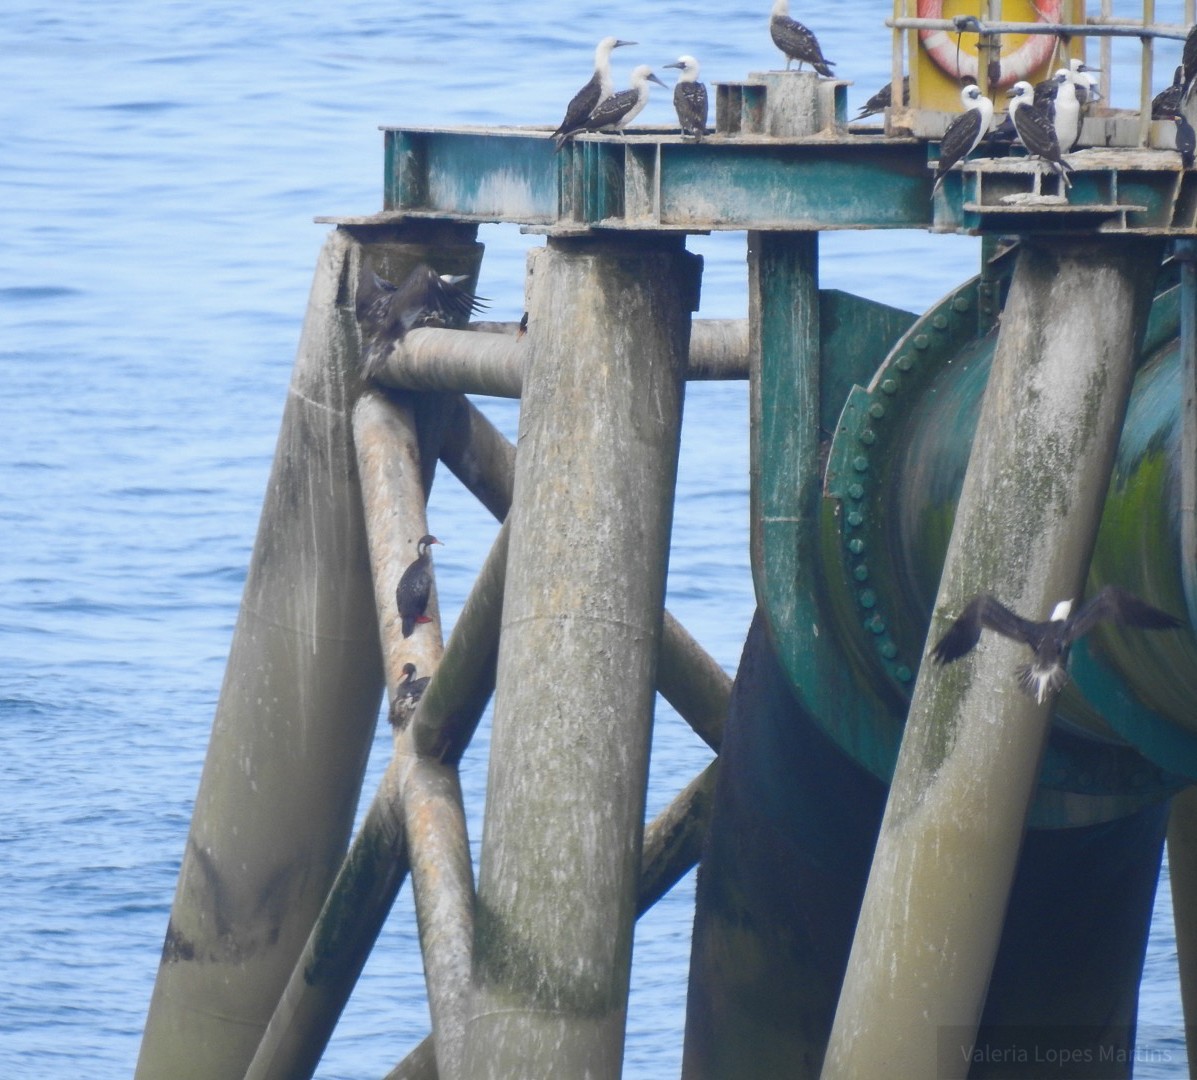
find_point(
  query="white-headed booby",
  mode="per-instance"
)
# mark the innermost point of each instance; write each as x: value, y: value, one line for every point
x: 622, y: 108
x: 796, y: 41
x: 690, y: 98
x: 388, y: 311
x: 1034, y: 128
x: 883, y: 99
x: 1050, y: 640
x: 1083, y: 80
x: 1065, y: 111
x: 598, y: 89
x: 964, y: 132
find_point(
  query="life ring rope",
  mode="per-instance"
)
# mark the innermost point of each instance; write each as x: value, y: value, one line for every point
x: 1032, y: 54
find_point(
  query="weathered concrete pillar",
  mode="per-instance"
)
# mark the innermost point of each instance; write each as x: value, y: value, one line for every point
x: 594, y: 485
x: 297, y: 710
x: 1024, y: 531
x: 292, y: 728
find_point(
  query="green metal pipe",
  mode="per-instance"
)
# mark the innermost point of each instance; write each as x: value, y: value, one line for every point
x: 600, y: 423
x: 292, y: 729
x: 1025, y: 528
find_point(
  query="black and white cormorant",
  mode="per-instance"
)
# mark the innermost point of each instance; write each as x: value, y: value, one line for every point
x: 1165, y: 104
x: 690, y: 98
x: 599, y: 88
x: 415, y: 586
x: 796, y: 41
x: 1051, y: 639
x: 883, y: 99
x: 388, y: 311
x: 964, y: 132
x: 1186, y: 139
x: 620, y: 109
x: 407, y: 696
x: 1034, y: 128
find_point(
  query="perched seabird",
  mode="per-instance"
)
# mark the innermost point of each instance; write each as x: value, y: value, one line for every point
x: 796, y: 41
x: 598, y: 89
x: 1034, y: 128
x: 1167, y: 101
x: 1188, y: 60
x: 619, y: 110
x: 1083, y: 80
x: 407, y: 696
x: 964, y: 132
x: 1050, y: 640
x: 690, y: 98
x: 1066, y: 111
x: 415, y: 587
x: 388, y: 311
x: 883, y: 99
x: 1186, y: 140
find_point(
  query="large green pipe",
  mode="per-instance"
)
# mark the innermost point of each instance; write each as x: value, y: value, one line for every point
x: 292, y: 730
x: 1024, y: 529
x: 599, y: 428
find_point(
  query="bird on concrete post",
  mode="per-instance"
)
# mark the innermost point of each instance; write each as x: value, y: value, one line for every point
x: 598, y: 89
x: 690, y: 98
x: 796, y: 41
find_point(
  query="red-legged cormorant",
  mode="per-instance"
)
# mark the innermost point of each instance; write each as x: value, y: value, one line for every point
x: 415, y: 586
x: 964, y: 132
x: 1034, y: 129
x: 690, y: 98
x: 883, y: 99
x: 600, y: 87
x: 407, y: 696
x: 388, y: 311
x: 619, y: 110
x: 796, y: 41
x: 1165, y: 104
x: 1050, y: 640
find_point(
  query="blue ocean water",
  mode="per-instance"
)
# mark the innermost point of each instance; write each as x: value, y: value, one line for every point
x: 160, y: 166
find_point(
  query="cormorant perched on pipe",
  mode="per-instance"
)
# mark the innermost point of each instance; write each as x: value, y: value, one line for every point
x: 1167, y: 101
x: 883, y: 99
x: 415, y: 587
x: 690, y: 98
x: 388, y: 311
x: 407, y: 696
x: 598, y: 89
x: 964, y: 132
x: 1050, y: 640
x: 1034, y: 128
x: 796, y: 41
x: 619, y: 110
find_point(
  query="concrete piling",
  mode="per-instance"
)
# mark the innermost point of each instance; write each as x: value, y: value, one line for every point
x: 292, y: 728
x: 599, y: 430
x: 1024, y: 531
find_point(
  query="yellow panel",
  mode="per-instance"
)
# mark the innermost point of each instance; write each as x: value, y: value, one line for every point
x: 933, y: 87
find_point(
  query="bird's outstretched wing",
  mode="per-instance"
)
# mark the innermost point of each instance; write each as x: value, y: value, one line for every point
x: 982, y: 611
x: 1112, y: 602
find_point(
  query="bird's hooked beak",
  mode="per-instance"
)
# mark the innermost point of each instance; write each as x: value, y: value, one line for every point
x: 1012, y: 92
x: 678, y: 66
x: 619, y: 43
x: 653, y: 78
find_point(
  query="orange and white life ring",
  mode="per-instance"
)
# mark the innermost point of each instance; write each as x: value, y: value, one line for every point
x: 942, y: 46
